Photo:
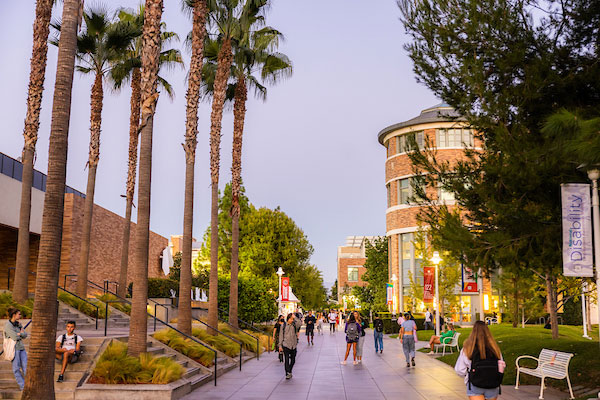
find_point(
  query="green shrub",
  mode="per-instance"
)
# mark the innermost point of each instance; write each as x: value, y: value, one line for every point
x: 6, y: 301
x: 123, y: 307
x: 219, y: 342
x: 160, y: 287
x: 185, y: 346
x: 82, y: 306
x: 115, y: 367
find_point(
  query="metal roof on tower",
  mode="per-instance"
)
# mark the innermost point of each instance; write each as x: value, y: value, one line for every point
x: 441, y: 112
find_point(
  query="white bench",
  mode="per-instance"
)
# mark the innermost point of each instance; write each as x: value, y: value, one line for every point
x: 451, y: 344
x: 550, y: 364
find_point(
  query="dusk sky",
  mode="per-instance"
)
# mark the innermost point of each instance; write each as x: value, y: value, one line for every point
x: 311, y: 148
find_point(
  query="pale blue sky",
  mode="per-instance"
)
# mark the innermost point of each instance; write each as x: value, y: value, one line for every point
x: 311, y: 148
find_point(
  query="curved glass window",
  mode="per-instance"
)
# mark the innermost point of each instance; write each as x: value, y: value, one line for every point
x: 454, y: 137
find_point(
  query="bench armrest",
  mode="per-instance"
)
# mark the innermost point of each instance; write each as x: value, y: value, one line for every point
x: 529, y: 357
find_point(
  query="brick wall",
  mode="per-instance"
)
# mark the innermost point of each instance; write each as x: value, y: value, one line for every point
x: 343, y: 264
x: 8, y: 255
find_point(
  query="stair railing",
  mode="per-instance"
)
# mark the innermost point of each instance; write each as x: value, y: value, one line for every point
x: 82, y: 299
x: 156, y: 304
x: 227, y: 336
x: 169, y: 326
x: 8, y: 276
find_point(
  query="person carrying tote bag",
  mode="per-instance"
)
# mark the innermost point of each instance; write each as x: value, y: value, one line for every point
x: 14, y: 332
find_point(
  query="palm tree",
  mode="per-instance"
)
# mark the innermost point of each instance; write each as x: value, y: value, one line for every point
x: 138, y: 326
x: 102, y: 43
x: 128, y: 69
x: 251, y: 56
x: 200, y: 11
x: 41, y: 29
x: 40, y: 372
x: 232, y: 18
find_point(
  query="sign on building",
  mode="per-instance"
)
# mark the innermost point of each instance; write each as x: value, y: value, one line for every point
x: 285, y: 289
x: 389, y: 292
x: 577, y: 230
x: 469, y: 280
x: 428, y: 284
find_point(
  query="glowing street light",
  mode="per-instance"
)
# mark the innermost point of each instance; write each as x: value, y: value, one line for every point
x: 280, y: 274
x: 394, y: 300
x: 436, y: 260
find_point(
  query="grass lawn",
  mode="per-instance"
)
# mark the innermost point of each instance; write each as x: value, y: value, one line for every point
x: 584, y: 368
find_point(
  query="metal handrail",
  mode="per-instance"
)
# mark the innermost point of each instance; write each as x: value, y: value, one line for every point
x: 8, y: 276
x: 226, y: 335
x: 106, y: 283
x: 170, y: 326
x: 244, y: 332
x: 82, y: 299
x: 155, y: 305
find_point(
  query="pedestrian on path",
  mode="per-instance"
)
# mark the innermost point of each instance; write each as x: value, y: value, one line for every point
x: 480, y: 362
x: 378, y: 333
x: 400, y: 321
x: 332, y: 320
x: 352, y: 330
x: 446, y: 337
x: 407, y: 338
x: 320, y: 323
x: 14, y: 330
x: 361, y: 339
x: 310, y: 321
x: 278, y: 325
x: 288, y: 342
x: 428, y: 325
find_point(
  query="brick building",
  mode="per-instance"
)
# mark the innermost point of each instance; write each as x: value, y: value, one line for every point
x: 350, y: 264
x: 106, y: 235
x: 445, y: 129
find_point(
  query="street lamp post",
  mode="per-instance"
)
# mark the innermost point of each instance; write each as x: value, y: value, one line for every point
x: 395, y: 296
x: 436, y: 261
x: 280, y: 274
x: 594, y: 175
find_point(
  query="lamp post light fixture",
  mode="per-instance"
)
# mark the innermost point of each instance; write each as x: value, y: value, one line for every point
x: 436, y: 261
x: 395, y: 294
x: 593, y: 173
x: 280, y: 274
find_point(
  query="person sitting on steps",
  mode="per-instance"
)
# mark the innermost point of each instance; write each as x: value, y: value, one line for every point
x: 68, y: 348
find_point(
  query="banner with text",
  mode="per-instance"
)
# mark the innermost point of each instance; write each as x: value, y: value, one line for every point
x: 577, y: 230
x: 389, y: 293
x: 285, y: 289
x: 428, y: 284
x: 469, y: 280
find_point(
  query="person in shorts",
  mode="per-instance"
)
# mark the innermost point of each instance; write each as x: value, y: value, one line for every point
x: 310, y: 322
x: 68, y: 348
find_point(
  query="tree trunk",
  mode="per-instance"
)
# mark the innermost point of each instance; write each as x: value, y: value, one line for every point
x: 552, y: 305
x: 239, y: 113
x: 138, y: 326
x: 88, y: 210
x: 515, y: 322
x: 587, y: 308
x: 41, y: 29
x: 223, y: 70
x: 184, y: 321
x: 134, y: 123
x: 40, y: 371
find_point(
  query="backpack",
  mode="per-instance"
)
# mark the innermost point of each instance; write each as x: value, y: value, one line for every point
x: 378, y: 324
x: 352, y: 332
x: 64, y: 337
x: 484, y: 373
x: 9, y: 348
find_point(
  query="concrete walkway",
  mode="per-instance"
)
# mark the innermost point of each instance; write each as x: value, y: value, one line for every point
x: 319, y: 375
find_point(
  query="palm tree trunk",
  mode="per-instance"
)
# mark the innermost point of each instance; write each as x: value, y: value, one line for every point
x: 138, y: 326
x: 88, y: 210
x: 134, y: 123
x: 41, y: 29
x: 239, y: 113
x: 40, y: 371
x: 223, y: 70
x: 184, y: 316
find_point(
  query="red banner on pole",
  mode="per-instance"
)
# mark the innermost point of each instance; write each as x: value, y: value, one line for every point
x: 469, y: 280
x: 285, y: 289
x: 428, y: 284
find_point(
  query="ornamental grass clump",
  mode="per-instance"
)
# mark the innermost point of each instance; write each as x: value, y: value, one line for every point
x: 82, y: 306
x: 218, y: 342
x: 185, y: 346
x: 121, y: 306
x: 116, y: 367
x: 6, y: 301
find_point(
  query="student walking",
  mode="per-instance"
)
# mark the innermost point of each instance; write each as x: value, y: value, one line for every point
x: 68, y: 348
x: 378, y: 333
x: 428, y: 320
x: 278, y: 325
x: 14, y: 330
x: 320, y: 323
x: 288, y: 342
x: 352, y: 330
x: 480, y: 362
x: 332, y: 320
x: 361, y: 339
x: 310, y: 321
x: 407, y: 338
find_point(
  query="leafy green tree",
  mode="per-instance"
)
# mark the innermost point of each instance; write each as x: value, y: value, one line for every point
x: 376, y: 275
x: 506, y: 67
x: 257, y: 300
x: 334, y: 291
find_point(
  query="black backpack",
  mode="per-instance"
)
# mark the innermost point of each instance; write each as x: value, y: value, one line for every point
x: 378, y: 324
x: 484, y: 373
x: 64, y: 337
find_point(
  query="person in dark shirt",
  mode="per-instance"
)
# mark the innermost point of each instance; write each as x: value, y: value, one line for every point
x: 378, y: 333
x: 310, y: 321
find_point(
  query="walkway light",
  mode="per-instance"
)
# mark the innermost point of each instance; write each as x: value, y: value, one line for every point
x: 436, y: 260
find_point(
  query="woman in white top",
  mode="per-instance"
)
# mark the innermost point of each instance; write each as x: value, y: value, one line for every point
x: 481, y: 345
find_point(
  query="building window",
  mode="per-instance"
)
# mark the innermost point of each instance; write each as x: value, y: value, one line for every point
x: 406, y: 252
x: 445, y: 196
x: 403, y: 142
x: 404, y: 191
x: 454, y: 137
x: 388, y: 146
x: 352, y: 274
x: 389, y: 194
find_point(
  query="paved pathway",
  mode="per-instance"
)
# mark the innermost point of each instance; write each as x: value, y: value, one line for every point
x: 319, y: 375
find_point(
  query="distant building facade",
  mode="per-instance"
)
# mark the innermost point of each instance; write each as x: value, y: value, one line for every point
x: 350, y: 264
